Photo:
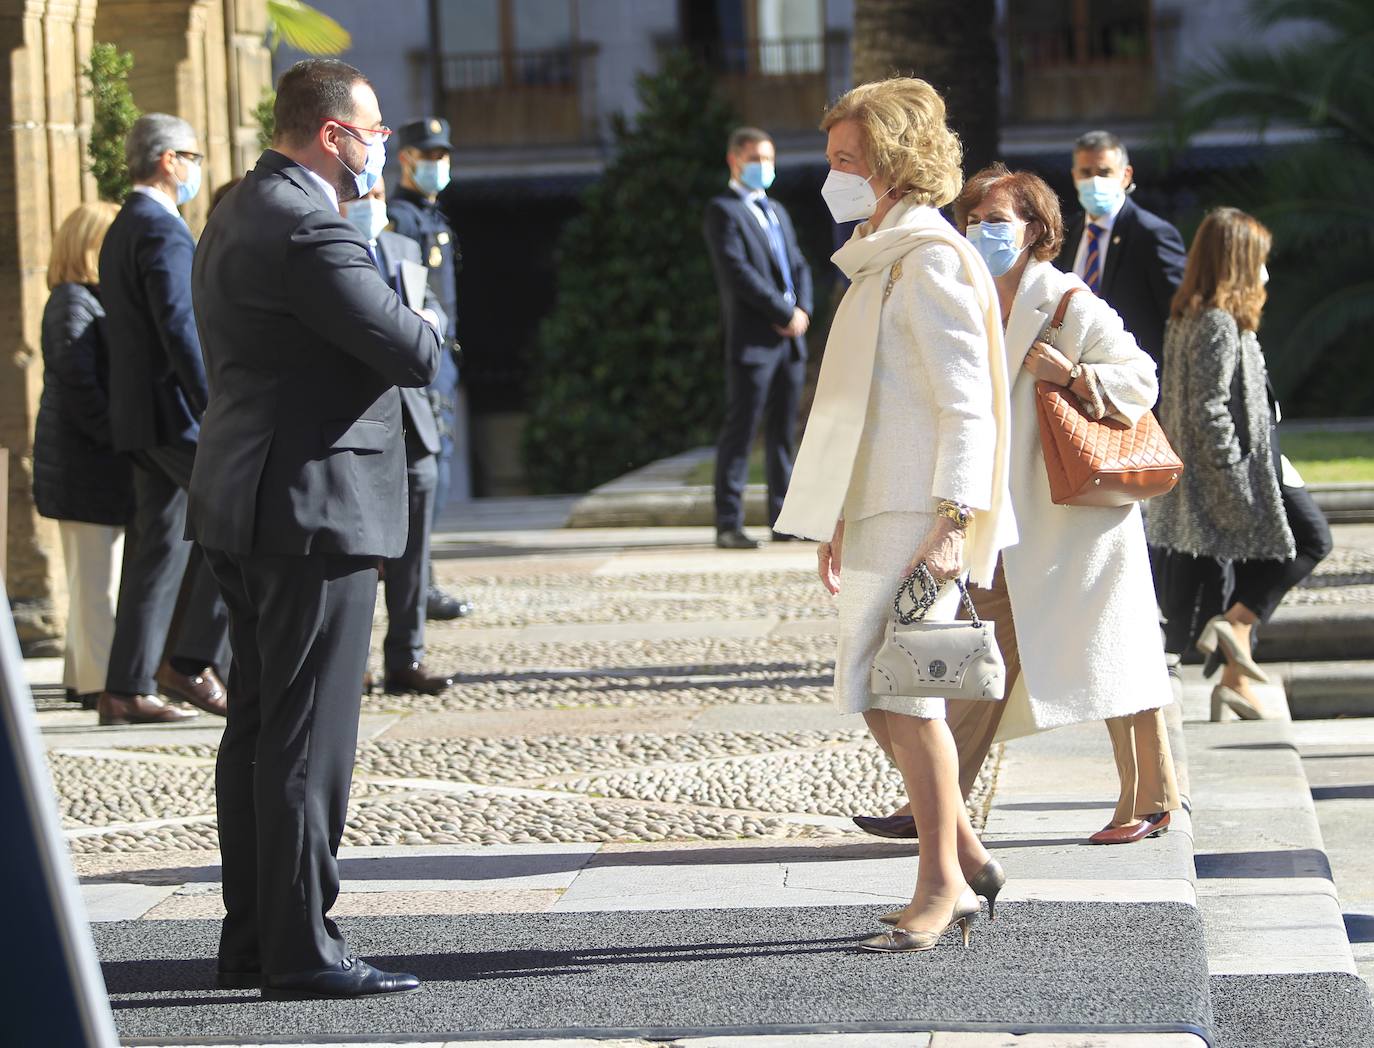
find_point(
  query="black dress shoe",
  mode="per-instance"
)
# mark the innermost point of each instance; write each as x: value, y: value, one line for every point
x: 900, y: 826
x: 416, y: 679
x: 779, y: 536
x: 440, y: 607
x: 351, y: 977
x: 232, y: 975
x: 735, y: 539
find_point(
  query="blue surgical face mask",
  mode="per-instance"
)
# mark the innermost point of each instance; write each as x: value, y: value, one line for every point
x: 364, y: 180
x: 757, y: 174
x: 996, y: 242
x: 186, y: 191
x: 1099, y: 195
x: 431, y: 176
x: 368, y: 216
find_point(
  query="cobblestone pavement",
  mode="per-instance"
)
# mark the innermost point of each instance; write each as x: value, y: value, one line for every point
x: 683, y: 705
x: 601, y: 696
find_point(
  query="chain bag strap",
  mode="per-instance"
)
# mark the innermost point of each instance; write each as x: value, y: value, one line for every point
x: 930, y: 593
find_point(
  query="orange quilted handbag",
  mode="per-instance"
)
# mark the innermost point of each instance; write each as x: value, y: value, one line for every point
x: 1099, y: 462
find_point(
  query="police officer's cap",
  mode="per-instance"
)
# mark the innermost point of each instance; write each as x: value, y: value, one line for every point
x: 426, y: 134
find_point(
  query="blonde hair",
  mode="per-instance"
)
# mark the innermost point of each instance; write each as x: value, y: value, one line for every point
x: 906, y: 141
x: 75, y: 257
x: 1223, y: 270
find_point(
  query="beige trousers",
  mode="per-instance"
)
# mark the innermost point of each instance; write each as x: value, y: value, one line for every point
x: 93, y: 554
x: 1140, y: 742
x: 1145, y: 765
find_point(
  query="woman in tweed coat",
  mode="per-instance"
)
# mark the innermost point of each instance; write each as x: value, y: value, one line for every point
x: 1236, y: 500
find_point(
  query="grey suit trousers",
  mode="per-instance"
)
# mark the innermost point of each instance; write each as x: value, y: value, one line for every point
x: 407, y: 577
x: 157, y: 557
x: 300, y: 627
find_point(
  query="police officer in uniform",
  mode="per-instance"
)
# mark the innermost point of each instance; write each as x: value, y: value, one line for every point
x: 422, y: 150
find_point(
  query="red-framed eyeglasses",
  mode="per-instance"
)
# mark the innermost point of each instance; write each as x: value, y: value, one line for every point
x: 384, y: 131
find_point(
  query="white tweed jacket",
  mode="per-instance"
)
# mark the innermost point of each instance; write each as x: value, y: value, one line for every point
x: 929, y: 432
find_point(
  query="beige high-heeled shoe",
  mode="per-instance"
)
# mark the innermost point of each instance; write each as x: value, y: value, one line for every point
x: 986, y: 883
x: 1219, y: 631
x: 900, y: 940
x: 1223, y: 697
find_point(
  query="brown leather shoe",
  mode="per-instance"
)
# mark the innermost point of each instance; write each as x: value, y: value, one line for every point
x: 204, y: 690
x: 139, y: 709
x: 1149, y: 826
x: 416, y: 679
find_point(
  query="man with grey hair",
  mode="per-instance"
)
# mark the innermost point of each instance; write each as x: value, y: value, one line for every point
x: 157, y: 396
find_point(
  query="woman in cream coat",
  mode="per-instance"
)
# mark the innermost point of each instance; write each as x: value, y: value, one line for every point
x: 904, y: 457
x: 1086, y: 624
x: 1073, y: 601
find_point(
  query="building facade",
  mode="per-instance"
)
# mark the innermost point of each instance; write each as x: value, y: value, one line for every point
x: 531, y: 88
x: 203, y: 60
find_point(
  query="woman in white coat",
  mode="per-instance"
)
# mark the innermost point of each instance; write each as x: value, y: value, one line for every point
x: 904, y: 457
x: 1078, y: 580
x: 1073, y: 600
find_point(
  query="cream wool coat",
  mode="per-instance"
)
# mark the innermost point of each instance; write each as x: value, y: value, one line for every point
x: 1087, y: 622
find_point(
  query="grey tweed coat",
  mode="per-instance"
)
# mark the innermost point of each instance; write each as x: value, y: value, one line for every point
x: 1215, y: 410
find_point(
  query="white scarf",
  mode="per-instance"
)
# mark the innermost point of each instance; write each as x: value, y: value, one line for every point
x: 825, y: 462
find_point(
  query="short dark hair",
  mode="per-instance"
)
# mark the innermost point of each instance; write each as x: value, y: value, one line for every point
x: 310, y: 92
x: 746, y: 136
x: 1094, y: 141
x: 1031, y: 196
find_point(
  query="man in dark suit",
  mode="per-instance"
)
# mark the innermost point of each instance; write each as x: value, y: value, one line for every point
x: 398, y: 259
x: 298, y: 493
x: 1129, y: 256
x: 765, y: 305
x: 157, y: 397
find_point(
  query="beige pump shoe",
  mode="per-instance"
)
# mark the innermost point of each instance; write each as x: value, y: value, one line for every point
x: 1224, y: 697
x: 899, y: 940
x: 1219, y: 631
x: 987, y: 882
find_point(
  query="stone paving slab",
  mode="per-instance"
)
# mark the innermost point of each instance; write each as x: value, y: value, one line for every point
x: 943, y: 1039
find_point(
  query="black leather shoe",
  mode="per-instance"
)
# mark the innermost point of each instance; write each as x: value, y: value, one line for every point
x: 440, y: 607
x: 416, y: 679
x: 735, y: 539
x: 231, y: 975
x: 351, y: 977
x: 779, y: 536
x: 900, y: 826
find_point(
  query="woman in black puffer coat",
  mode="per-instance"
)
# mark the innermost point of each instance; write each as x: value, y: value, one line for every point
x: 78, y: 478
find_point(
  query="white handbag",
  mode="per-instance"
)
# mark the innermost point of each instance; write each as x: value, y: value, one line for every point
x: 948, y: 660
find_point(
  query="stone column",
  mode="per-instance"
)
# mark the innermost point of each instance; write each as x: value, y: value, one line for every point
x: 249, y: 69
x: 43, y: 44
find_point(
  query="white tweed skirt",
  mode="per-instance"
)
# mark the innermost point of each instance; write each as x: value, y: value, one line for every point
x: 875, y: 551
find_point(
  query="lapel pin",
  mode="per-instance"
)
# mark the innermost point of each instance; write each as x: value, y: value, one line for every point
x: 1116, y: 240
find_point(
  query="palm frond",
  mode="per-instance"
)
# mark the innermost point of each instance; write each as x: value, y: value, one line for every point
x: 306, y: 29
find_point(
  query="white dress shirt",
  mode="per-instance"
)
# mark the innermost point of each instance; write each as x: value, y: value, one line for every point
x: 1104, y: 223
x: 153, y: 193
x: 325, y: 187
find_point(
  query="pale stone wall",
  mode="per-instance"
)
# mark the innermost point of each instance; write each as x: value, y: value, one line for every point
x: 205, y: 61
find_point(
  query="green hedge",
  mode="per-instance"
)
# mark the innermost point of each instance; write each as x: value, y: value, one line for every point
x: 628, y: 364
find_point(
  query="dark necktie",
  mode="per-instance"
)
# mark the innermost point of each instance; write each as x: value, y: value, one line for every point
x: 1092, y: 263
x: 778, y: 246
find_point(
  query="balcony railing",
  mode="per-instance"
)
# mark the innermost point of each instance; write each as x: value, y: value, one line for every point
x: 522, y: 97
x: 780, y: 84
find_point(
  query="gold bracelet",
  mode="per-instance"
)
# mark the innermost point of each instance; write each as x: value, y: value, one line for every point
x: 955, y: 511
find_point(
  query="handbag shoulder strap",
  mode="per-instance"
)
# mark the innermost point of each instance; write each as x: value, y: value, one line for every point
x: 1062, y: 309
